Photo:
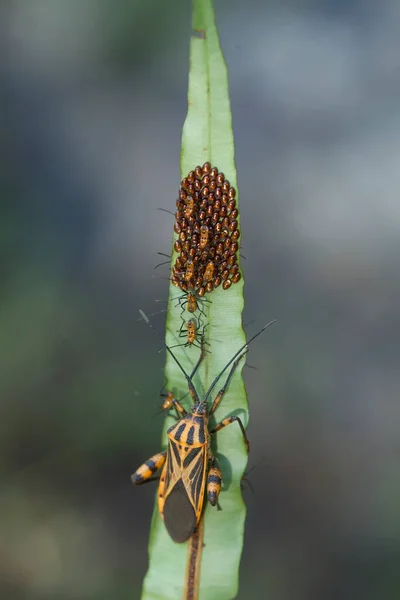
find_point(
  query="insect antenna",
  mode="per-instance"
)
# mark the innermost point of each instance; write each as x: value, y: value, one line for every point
x: 192, y: 374
x: 244, y: 349
x: 167, y: 211
x: 154, y: 314
x: 161, y: 264
x: 244, y: 327
x: 165, y: 262
x: 246, y: 474
x: 192, y: 390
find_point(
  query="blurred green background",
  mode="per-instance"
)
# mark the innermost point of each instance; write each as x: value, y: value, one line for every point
x: 93, y: 98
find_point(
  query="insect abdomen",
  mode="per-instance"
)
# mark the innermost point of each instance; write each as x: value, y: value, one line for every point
x: 147, y: 469
x: 214, y: 485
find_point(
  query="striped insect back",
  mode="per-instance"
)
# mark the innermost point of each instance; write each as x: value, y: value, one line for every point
x: 180, y: 500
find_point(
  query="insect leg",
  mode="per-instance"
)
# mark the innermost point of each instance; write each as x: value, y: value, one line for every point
x: 202, y: 311
x: 227, y: 421
x: 202, y: 354
x: 181, y: 334
x: 169, y: 398
x: 182, y: 331
x: 165, y: 262
x: 192, y: 390
x: 222, y: 391
x: 169, y: 402
x: 214, y: 483
x: 179, y: 408
x: 245, y: 478
x: 146, y: 470
x: 182, y: 304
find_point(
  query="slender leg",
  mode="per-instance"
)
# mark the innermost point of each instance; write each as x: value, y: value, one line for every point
x: 169, y: 402
x: 222, y: 391
x: 165, y: 262
x: 182, y: 305
x: 196, y: 366
x: 202, y: 312
x: 228, y: 421
x: 182, y: 333
x: 181, y: 412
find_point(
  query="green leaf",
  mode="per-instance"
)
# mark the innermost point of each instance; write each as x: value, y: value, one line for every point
x: 207, y: 136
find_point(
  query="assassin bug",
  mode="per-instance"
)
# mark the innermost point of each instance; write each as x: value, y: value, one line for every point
x: 204, y: 235
x: 209, y: 272
x: 188, y: 301
x: 191, y: 302
x: 188, y: 465
x: 189, y: 207
x: 189, y: 274
x: 191, y: 330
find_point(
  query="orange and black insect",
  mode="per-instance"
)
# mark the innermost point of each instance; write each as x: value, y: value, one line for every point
x: 189, y: 274
x: 191, y: 327
x: 188, y: 465
x: 191, y: 302
x: 189, y: 207
x: 209, y: 272
x: 204, y: 235
x: 191, y: 331
x: 168, y: 402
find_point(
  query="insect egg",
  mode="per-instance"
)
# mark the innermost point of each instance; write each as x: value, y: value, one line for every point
x: 233, y: 225
x: 213, y: 172
x: 236, y: 277
x: 225, y: 187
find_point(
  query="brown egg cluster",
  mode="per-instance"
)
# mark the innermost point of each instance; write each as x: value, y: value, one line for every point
x: 207, y: 225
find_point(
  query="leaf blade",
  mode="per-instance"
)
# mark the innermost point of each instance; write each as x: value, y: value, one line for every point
x: 208, y: 136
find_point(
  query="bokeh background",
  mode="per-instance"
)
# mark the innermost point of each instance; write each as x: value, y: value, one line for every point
x: 93, y: 98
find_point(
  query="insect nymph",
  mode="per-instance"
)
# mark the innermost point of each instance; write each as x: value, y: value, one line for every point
x: 188, y: 465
